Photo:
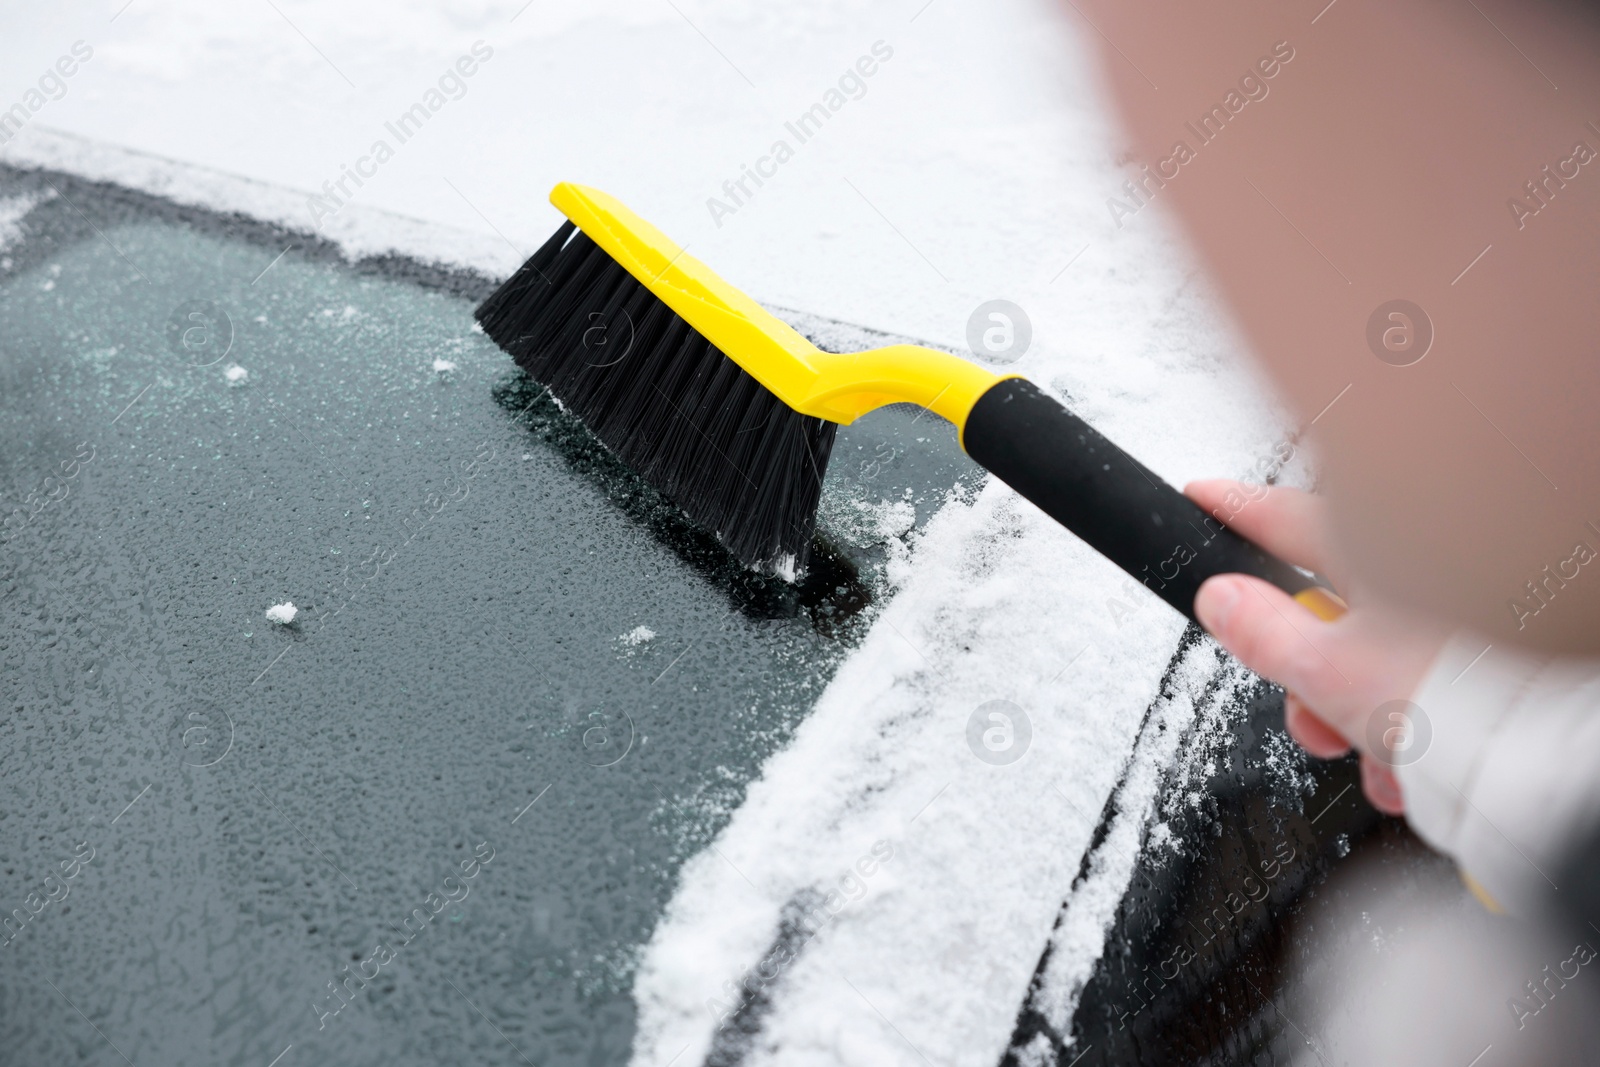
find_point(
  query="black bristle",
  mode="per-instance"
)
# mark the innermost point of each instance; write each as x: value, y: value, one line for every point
x: 691, y: 421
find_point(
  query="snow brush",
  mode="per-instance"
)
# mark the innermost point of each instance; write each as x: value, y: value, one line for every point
x: 731, y: 414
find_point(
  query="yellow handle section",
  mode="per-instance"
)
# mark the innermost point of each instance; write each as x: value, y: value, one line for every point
x: 1325, y: 604
x: 837, y: 387
x: 852, y: 384
x: 1482, y: 895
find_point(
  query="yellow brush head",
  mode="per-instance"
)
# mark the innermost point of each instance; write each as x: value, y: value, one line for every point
x: 825, y: 385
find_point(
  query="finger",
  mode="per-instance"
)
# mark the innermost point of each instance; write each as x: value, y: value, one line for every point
x: 1311, y: 733
x: 1272, y: 634
x: 1287, y: 522
x: 1381, y: 787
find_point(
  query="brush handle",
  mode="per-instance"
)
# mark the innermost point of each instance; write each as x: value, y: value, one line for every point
x: 1121, y: 508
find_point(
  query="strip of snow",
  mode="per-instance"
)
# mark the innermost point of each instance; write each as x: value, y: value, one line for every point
x: 1076, y: 944
x: 936, y: 956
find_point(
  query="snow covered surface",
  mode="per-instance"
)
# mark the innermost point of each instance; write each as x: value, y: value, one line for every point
x: 974, y: 163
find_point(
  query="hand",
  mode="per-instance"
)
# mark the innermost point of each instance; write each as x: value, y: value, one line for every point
x: 1336, y: 674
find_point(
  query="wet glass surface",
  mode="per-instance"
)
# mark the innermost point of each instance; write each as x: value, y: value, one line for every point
x: 433, y: 818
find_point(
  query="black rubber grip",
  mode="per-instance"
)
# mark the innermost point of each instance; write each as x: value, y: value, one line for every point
x: 1108, y: 498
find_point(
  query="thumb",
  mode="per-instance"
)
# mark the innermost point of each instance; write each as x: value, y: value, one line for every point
x: 1272, y: 634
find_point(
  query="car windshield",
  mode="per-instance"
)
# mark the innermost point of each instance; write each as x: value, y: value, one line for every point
x: 334, y: 647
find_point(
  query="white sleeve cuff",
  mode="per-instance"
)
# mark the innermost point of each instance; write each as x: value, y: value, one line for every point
x: 1511, y: 772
